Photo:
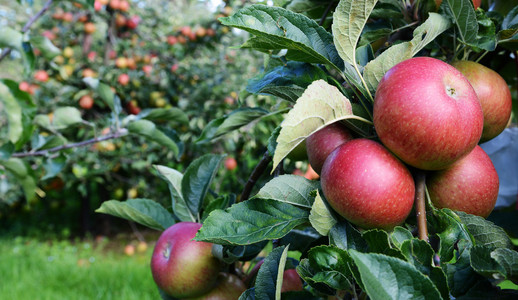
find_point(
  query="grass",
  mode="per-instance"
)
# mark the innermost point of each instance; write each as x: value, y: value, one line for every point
x: 31, y: 269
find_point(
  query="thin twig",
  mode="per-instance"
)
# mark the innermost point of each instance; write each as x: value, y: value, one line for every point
x: 114, y: 135
x: 420, y: 204
x: 135, y: 230
x: 28, y: 25
x: 256, y: 173
x: 324, y: 16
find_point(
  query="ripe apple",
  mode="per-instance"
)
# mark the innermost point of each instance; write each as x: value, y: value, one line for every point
x: 132, y: 22
x: 291, y: 281
x: 230, y: 163
x: 469, y: 185
x: 124, y: 5
x: 311, y: 174
x: 89, y: 28
x: 120, y: 20
x: 427, y: 113
x: 181, y: 267
x: 41, y: 76
x: 171, y: 40
x: 129, y: 250
x: 174, y: 68
x: 121, y: 62
x: 133, y: 107
x: 24, y: 86
x: 98, y: 5
x: 321, y: 143
x: 228, y: 287
x: 186, y: 30
x: 494, y: 96
x: 147, y: 69
x: 367, y: 185
x: 123, y: 79
x: 115, y: 4
x: 86, y: 102
x: 68, y: 17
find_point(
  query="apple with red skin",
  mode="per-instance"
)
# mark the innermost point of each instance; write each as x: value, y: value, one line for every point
x: 469, y: 185
x: 41, y: 76
x: 291, y: 281
x: 494, y: 96
x: 228, y: 287
x: 86, y: 102
x: 321, y: 143
x: 427, y: 113
x: 132, y: 22
x: 123, y: 79
x: 230, y: 163
x: 367, y: 185
x: 182, y: 267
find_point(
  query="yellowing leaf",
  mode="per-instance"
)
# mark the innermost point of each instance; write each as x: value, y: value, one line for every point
x: 320, y: 216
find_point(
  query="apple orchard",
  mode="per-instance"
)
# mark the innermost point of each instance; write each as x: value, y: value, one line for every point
x: 348, y: 162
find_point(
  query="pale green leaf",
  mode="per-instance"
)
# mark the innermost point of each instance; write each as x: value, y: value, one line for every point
x: 13, y: 112
x: 320, y: 105
x: 464, y: 17
x: 66, y: 116
x: 349, y: 19
x: 174, y: 181
x: 320, y: 217
x: 148, y: 130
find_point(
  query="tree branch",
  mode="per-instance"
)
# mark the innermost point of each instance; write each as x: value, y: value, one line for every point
x: 326, y: 12
x: 114, y: 135
x: 420, y: 204
x: 256, y: 173
x: 28, y: 25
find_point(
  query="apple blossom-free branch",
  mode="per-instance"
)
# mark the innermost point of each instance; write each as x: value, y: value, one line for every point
x: 28, y: 25
x: 256, y: 173
x: 114, y: 135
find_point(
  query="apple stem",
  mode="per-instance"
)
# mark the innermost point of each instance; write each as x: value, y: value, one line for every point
x: 256, y: 173
x: 420, y: 205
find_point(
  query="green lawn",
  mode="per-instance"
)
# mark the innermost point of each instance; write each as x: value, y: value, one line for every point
x: 31, y: 269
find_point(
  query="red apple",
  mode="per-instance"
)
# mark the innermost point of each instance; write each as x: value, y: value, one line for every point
x: 86, y: 102
x: 311, y: 174
x: 24, y: 86
x: 229, y: 287
x: 182, y: 267
x: 321, y: 143
x: 367, y: 185
x: 132, y: 22
x: 427, y: 113
x: 171, y: 40
x: 291, y: 281
x: 123, y: 79
x: 494, y: 96
x: 89, y: 28
x: 174, y: 68
x: 41, y: 76
x: 469, y: 185
x: 147, y: 69
x: 230, y: 163
x: 98, y: 5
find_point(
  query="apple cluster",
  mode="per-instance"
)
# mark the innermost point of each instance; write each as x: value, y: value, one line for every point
x: 429, y: 117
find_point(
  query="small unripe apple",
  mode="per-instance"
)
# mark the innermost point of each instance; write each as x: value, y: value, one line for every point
x: 470, y: 185
x: 68, y: 52
x: 367, y: 185
x: 89, y: 73
x: 228, y: 287
x: 291, y: 281
x: 141, y: 247
x: 230, y: 163
x: 427, y: 113
x: 494, y: 96
x: 182, y: 267
x: 321, y: 143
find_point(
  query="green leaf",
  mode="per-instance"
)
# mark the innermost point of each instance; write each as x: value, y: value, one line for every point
x: 13, y: 112
x: 104, y: 91
x: 498, y: 263
x: 463, y: 16
x: 269, y: 278
x: 279, y: 28
x: 143, y: 211
x: 250, y: 222
x: 287, y: 82
x: 197, y: 179
x: 21, y: 171
x: 48, y: 50
x: 387, y: 277
x: 230, y: 254
x: 320, y: 217
x: 450, y: 231
x: 53, y: 166
x: 230, y: 122
x: 66, y: 116
x: 349, y: 19
x: 486, y: 35
x: 248, y: 294
x: 345, y: 236
x: 461, y: 276
x: 289, y: 189
x: 148, y: 130
x: 222, y: 202
x: 40, y: 142
x: 424, y: 34
x: 164, y: 114
x: 300, y: 239
x: 326, y: 269
x: 378, y: 242
x: 400, y: 235
x: 485, y: 233
x: 320, y: 105
x: 6, y: 150
x: 174, y: 182
x: 11, y: 38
